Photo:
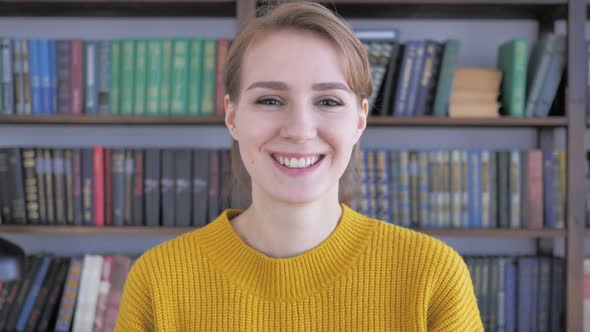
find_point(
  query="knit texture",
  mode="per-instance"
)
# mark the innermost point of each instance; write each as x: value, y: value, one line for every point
x: 368, y: 275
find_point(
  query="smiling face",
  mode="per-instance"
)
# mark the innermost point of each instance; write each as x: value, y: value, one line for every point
x: 296, y: 119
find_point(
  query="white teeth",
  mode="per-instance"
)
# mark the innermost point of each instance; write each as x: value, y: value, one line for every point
x: 296, y: 163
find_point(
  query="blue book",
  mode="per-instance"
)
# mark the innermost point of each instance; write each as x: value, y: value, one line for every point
x: 17, y: 69
x: 52, y: 108
x: 35, y: 76
x: 423, y: 188
x: 415, y: 77
x: 548, y: 199
x: 537, y: 72
x: 588, y: 79
x: 400, y: 106
x: 45, y: 76
x: 544, y: 294
x: 32, y: 294
x: 90, y: 70
x: 526, y: 288
x: 553, y: 77
x: 474, y: 188
x: 510, y: 306
x: 382, y: 185
x: 557, y: 307
x: 444, y: 85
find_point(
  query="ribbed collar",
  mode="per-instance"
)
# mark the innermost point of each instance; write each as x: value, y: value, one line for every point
x: 285, y: 278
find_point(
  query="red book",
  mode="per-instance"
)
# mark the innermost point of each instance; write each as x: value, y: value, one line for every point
x: 103, y: 292
x: 535, y: 189
x: 108, y: 188
x: 76, y: 78
x: 222, y: 50
x: 99, y: 186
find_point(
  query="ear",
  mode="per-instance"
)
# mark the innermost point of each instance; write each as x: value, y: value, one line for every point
x: 362, y: 119
x: 230, y: 116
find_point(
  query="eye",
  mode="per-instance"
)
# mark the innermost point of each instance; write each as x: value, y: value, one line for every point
x: 269, y: 102
x: 330, y: 102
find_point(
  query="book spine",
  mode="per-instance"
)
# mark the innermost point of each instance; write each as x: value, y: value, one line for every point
x: 64, y: 54
x: 445, y: 79
x: 77, y: 62
x: 121, y: 266
x: 5, y: 205
x: 115, y: 77
x: 426, y: 78
x: 138, y: 180
x: 548, y: 193
x: 7, y: 80
x: 69, y: 186
x: 19, y: 213
x: 128, y: 193
x: 535, y: 189
x: 17, y: 76
x: 104, y: 79
x: 553, y: 78
x: 49, y: 186
x: 456, y: 188
x: 200, y: 174
x: 154, y: 76
x: 485, y: 188
x: 168, y: 188
x: 515, y: 190
x: 139, y: 105
x: 37, y: 279
x: 382, y: 185
x: 88, y: 295
x: 40, y: 174
x: 166, y: 77
x: 208, y: 78
x: 98, y: 195
x: 70, y: 293
x: 30, y: 180
x: 52, y: 76
x: 41, y: 299
x: 77, y: 185
x: 415, y: 76
x: 423, y: 188
x: 108, y: 187
x: 182, y: 200
x: 19, y: 302
x: 118, y: 186
x: 213, y: 209
x: 414, y: 192
x: 127, y: 76
x: 195, y: 82
x: 35, y: 69
x: 88, y: 186
x: 401, y: 96
x: 45, y: 76
x: 222, y: 50
x: 59, y: 182
x: 152, y: 187
x: 103, y: 292
x: 180, y: 74
x: 539, y: 68
x: 90, y: 64
x: 26, y: 78
x: 56, y: 289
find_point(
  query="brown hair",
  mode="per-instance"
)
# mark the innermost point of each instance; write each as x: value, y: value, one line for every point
x: 304, y: 16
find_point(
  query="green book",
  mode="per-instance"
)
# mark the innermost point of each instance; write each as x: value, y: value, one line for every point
x: 127, y: 76
x: 195, y: 80
x: 154, y: 76
x: 512, y: 61
x: 444, y: 85
x: 180, y: 72
x: 166, y: 77
x: 140, y: 77
x: 114, y: 93
x: 208, y: 78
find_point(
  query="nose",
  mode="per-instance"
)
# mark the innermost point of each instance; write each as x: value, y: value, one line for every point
x: 300, y: 124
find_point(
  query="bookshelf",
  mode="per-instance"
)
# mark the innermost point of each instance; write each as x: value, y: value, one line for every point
x: 546, y: 12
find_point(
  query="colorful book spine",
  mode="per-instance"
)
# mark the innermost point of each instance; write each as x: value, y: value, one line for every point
x: 127, y: 76
x: 32, y: 294
x: 400, y: 106
x: 90, y: 70
x: 223, y: 45
x: 52, y: 76
x: 77, y: 71
x: 7, y: 80
x: 166, y: 77
x: 154, y: 76
x: 415, y: 76
x: 115, y: 77
x: 64, y: 55
x: 208, y: 78
x: 515, y: 189
x: 139, y: 105
x: 180, y: 77
x: 70, y: 294
x: 195, y: 77
x: 104, y: 79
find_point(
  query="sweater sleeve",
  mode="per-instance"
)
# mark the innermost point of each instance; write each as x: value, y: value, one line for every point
x: 453, y: 306
x: 135, y: 310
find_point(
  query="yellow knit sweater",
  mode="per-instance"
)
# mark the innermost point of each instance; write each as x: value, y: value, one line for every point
x: 368, y: 275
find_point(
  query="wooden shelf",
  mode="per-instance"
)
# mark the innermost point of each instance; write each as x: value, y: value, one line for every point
x: 115, y: 8
x: 216, y: 120
x: 144, y: 230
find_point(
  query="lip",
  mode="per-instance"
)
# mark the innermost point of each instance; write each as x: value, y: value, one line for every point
x: 298, y: 171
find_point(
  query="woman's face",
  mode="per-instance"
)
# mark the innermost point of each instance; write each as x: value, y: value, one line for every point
x: 296, y: 120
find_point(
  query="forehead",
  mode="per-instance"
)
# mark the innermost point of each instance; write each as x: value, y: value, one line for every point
x: 293, y: 56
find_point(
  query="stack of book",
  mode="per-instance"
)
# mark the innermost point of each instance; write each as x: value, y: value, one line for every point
x: 475, y: 93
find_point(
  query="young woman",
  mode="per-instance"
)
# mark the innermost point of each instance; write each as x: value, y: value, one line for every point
x: 298, y: 259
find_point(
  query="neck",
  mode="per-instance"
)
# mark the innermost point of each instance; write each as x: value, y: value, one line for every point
x: 281, y: 229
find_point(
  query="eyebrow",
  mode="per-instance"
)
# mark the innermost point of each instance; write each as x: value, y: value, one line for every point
x: 277, y: 85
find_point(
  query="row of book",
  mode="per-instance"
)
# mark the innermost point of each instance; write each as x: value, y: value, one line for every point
x: 64, y: 294
x: 83, y: 293
x: 475, y: 188
x: 119, y: 77
x: 519, y: 293
x: 422, y: 77
x: 101, y: 186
